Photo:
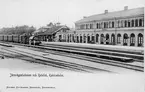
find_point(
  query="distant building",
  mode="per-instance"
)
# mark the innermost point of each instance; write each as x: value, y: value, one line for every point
x: 125, y: 28
x: 50, y: 32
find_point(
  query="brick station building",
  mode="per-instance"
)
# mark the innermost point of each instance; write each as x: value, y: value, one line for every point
x: 124, y: 28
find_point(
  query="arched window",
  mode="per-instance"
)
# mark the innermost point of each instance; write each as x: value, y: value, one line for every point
x: 97, y: 37
x: 140, y: 39
x: 107, y: 38
x: 91, y: 26
x: 136, y: 23
x: 128, y: 23
x: 140, y: 22
x: 125, y: 39
x: 132, y: 23
x: 132, y: 39
x: 93, y: 39
x: 68, y: 38
x: 118, y: 38
x: 125, y: 23
x: 88, y: 38
x: 122, y: 23
x: 73, y: 38
x: 80, y: 39
x: 112, y: 24
x: 97, y: 26
x: 104, y: 24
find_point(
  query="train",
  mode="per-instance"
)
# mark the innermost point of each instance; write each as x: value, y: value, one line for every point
x: 24, y: 39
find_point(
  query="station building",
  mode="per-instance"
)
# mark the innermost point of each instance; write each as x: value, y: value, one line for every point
x: 49, y: 32
x: 123, y: 28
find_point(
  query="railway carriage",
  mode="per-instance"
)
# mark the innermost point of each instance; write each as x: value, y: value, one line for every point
x: 10, y: 38
x: 1, y: 37
x: 24, y: 39
x: 15, y: 38
x: 5, y: 38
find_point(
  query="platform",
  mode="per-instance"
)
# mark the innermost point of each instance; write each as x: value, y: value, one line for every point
x: 111, y: 47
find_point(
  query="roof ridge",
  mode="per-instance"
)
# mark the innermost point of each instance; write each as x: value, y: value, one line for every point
x: 109, y: 13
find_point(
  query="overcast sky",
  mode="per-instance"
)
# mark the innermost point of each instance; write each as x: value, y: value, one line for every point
x: 41, y: 12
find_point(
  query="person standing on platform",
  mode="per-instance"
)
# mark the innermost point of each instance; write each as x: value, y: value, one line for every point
x: 30, y: 42
x: 34, y: 42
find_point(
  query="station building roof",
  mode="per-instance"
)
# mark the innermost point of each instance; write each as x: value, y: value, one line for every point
x: 110, y: 15
x: 52, y: 30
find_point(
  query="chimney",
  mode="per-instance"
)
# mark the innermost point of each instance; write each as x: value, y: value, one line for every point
x: 106, y: 11
x: 126, y: 8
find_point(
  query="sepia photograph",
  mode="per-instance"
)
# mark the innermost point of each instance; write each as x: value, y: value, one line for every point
x: 71, y: 45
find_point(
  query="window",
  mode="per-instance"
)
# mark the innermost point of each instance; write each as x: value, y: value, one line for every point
x: 132, y: 39
x: 112, y: 24
x: 136, y: 23
x: 84, y: 38
x: 122, y: 23
x: 93, y: 39
x: 107, y: 38
x: 140, y: 22
x: 140, y: 39
x: 132, y: 23
x: 91, y: 26
x: 97, y: 37
x: 80, y: 39
x: 125, y: 39
x: 97, y: 25
x: 104, y: 24
x: 107, y: 25
x: 128, y: 23
x: 118, y: 38
x: 88, y: 37
x: 125, y: 23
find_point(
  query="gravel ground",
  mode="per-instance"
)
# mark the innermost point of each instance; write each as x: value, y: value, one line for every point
x: 17, y: 64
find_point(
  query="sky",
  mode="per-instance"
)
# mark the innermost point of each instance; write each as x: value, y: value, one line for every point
x: 38, y: 13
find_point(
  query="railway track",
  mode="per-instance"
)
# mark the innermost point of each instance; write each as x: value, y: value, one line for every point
x: 137, y: 56
x: 98, y: 60
x: 92, y: 59
x: 49, y: 61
